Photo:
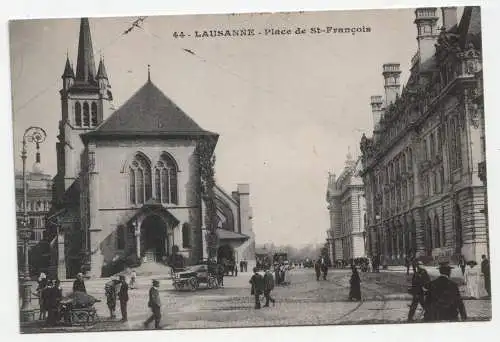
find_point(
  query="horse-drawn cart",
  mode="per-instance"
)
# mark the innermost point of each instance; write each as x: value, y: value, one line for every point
x: 190, y: 278
x: 78, y: 309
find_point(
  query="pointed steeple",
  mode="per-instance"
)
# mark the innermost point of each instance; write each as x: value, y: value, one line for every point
x: 85, y: 64
x: 101, y: 71
x: 68, y: 69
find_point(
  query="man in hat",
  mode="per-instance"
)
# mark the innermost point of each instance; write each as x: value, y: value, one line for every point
x: 257, y: 282
x: 268, y: 287
x: 420, y: 280
x: 155, y: 304
x: 485, y: 270
x: 78, y: 284
x: 444, y: 302
x: 110, y: 293
x: 123, y: 297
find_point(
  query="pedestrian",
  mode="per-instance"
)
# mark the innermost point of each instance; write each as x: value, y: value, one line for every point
x: 277, y: 275
x: 355, y: 290
x: 235, y: 270
x: 443, y: 301
x: 324, y: 267
x: 472, y: 276
x: 110, y: 293
x: 52, y: 299
x: 42, y: 284
x: 133, y: 278
x: 462, y: 264
x: 317, y: 269
x: 220, y: 274
x: 407, y: 264
x: 241, y: 265
x: 419, y: 283
x: 123, y: 297
x: 485, y: 270
x: 257, y: 282
x: 268, y: 287
x: 155, y: 304
x: 79, y: 284
x: 414, y: 265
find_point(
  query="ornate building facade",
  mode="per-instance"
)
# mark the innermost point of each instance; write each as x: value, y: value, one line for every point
x: 347, y: 209
x: 421, y: 167
x: 129, y: 181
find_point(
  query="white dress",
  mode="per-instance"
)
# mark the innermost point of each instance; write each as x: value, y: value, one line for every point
x: 472, y: 281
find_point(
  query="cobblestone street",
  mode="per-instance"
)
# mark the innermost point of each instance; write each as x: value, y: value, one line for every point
x: 304, y: 302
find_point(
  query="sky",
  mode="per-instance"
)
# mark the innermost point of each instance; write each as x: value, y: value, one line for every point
x: 287, y: 108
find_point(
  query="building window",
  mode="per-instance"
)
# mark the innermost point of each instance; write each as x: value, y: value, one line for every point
x: 94, y: 114
x: 186, y: 236
x: 166, y: 179
x: 140, y: 180
x: 120, y: 237
x: 86, y: 115
x: 78, y: 114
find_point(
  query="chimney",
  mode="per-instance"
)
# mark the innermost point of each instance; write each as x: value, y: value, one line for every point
x: 450, y: 17
x: 426, y: 19
x: 391, y: 73
x: 377, y: 111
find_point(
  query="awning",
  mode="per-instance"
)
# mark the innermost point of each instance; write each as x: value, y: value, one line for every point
x: 224, y: 234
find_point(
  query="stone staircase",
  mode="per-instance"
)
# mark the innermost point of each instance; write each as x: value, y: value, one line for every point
x: 149, y: 269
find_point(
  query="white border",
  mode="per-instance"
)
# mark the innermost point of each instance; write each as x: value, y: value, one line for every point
x: 70, y: 8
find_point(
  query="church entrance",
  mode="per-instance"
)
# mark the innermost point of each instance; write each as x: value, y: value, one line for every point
x: 154, y: 244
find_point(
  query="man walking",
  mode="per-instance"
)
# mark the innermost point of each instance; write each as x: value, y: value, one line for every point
x: 155, y: 304
x: 485, y: 270
x: 257, y: 282
x: 420, y: 280
x: 268, y: 287
x: 317, y: 269
x: 123, y: 297
x: 444, y: 302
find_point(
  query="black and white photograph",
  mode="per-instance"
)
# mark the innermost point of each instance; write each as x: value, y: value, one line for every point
x: 238, y: 170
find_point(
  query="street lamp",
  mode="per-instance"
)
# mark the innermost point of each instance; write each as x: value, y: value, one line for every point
x: 37, y: 136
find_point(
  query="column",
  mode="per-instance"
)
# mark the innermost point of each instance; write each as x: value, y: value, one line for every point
x: 96, y: 257
x: 61, y: 256
x: 203, y: 229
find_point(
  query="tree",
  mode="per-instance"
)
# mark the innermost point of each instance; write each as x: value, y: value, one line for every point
x: 207, y: 176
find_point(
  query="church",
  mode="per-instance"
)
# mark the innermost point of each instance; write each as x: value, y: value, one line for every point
x: 128, y: 184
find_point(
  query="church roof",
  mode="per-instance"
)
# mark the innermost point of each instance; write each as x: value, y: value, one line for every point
x: 149, y: 112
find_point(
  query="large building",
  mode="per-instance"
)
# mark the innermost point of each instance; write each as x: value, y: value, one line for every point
x: 129, y: 181
x: 347, y: 209
x: 421, y: 167
x: 39, y: 203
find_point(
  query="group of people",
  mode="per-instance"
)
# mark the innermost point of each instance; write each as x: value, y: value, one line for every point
x: 441, y: 299
x: 49, y: 293
x: 321, y: 267
x: 262, y: 284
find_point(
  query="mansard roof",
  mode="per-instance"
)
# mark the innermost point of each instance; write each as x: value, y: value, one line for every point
x: 149, y: 113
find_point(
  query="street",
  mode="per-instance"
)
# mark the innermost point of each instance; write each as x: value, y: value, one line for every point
x: 304, y: 302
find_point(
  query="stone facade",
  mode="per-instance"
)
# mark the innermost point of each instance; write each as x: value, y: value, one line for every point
x: 420, y: 168
x: 129, y: 184
x: 346, y: 205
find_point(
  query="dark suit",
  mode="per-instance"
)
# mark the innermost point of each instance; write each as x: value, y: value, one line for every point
x: 155, y: 304
x: 123, y: 297
x: 485, y: 269
x: 420, y: 280
x: 257, y: 282
x: 268, y: 287
x: 443, y: 302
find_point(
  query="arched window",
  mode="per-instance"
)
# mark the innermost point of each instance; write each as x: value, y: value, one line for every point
x: 86, y: 115
x: 186, y: 236
x: 140, y: 180
x: 94, y: 114
x: 166, y: 179
x: 437, y: 232
x: 78, y: 114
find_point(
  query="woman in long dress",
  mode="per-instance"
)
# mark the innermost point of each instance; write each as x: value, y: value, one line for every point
x: 472, y: 279
x: 355, y: 291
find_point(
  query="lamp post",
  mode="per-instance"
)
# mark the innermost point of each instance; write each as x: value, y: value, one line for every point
x: 37, y: 136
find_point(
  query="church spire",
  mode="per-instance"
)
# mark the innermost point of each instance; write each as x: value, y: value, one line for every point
x: 85, y: 65
x: 68, y: 69
x: 101, y: 71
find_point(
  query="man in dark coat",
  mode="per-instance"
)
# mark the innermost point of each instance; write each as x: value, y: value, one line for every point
x: 123, y: 297
x: 268, y: 287
x: 110, y: 293
x: 257, y: 282
x: 419, y: 282
x: 317, y: 269
x: 324, y: 267
x: 443, y: 302
x: 485, y: 270
x: 155, y: 304
x: 78, y: 284
x: 355, y: 289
